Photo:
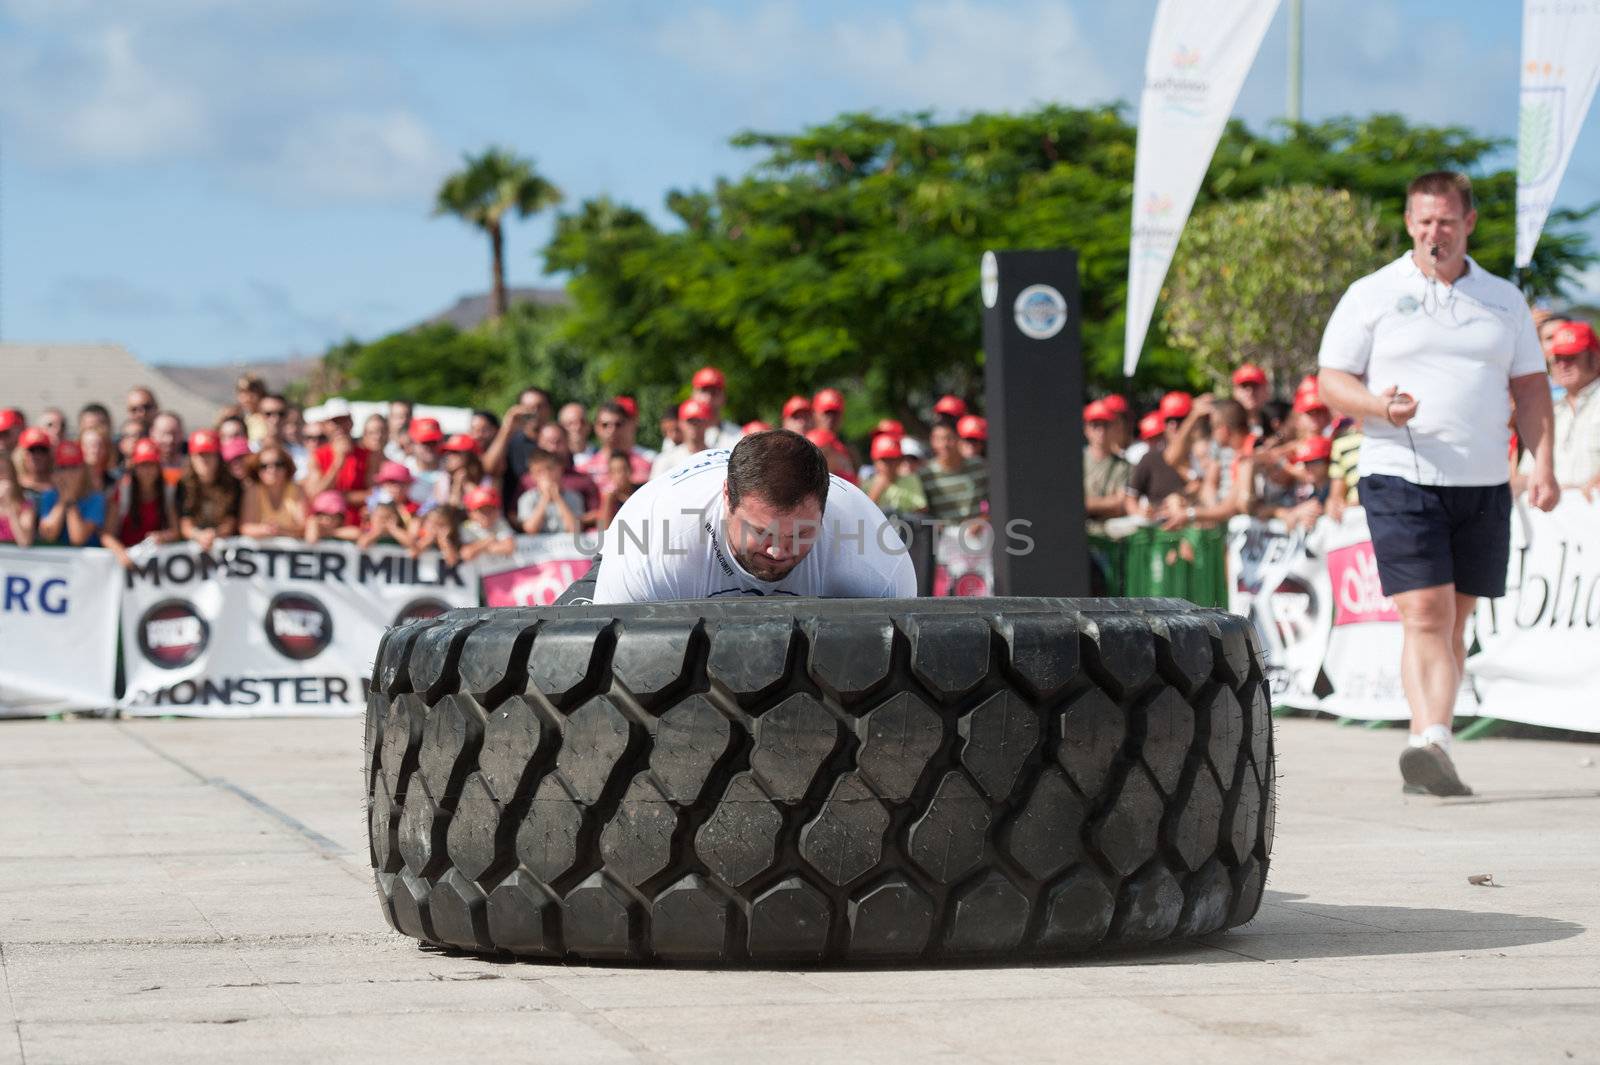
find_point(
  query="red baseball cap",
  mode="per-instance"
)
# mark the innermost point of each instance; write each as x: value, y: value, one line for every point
x: 709, y: 377
x: 1572, y: 338
x: 204, y: 442
x: 973, y: 427
x: 1308, y: 399
x: 1097, y: 411
x: 886, y: 446
x: 1115, y: 404
x: 145, y: 450
x: 823, y: 438
x: 1152, y: 425
x: 1313, y: 448
x: 1249, y: 374
x: 828, y: 399
x: 693, y: 409
x: 10, y: 418
x: 330, y: 501
x: 754, y: 427
x: 891, y: 427
x: 480, y: 497
x: 33, y: 437
x: 1176, y: 405
x: 463, y: 443
x: 393, y: 473
x: 68, y: 455
x: 629, y: 405
x: 426, y: 431
x: 794, y: 405
x: 954, y: 406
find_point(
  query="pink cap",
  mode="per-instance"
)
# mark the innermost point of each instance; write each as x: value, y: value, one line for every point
x: 329, y: 502
x: 393, y: 473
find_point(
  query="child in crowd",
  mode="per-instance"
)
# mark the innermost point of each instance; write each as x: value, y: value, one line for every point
x: 1302, y: 504
x: 384, y: 525
x: 545, y: 507
x: 620, y: 471
x: 146, y: 506
x: 393, y: 485
x: 327, y: 518
x: 486, y: 531
x: 441, y: 530
x: 16, y: 511
x: 273, y: 504
x: 892, y: 488
x: 208, y: 495
x: 463, y: 467
x: 429, y: 481
x: 71, y: 513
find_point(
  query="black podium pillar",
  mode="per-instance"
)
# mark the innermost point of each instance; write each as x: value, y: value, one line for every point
x: 1033, y: 374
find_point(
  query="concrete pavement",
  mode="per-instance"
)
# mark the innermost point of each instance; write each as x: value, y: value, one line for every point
x: 176, y: 891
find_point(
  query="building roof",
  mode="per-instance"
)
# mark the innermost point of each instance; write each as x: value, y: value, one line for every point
x: 215, y: 383
x: 36, y: 376
x: 469, y: 312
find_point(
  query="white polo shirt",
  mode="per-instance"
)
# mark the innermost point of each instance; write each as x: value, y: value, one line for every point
x: 669, y: 541
x: 1455, y: 348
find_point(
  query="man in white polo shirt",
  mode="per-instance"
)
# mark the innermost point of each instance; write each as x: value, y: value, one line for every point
x: 1430, y: 350
x: 763, y: 519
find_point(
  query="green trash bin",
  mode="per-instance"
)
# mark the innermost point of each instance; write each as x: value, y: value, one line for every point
x: 1187, y: 564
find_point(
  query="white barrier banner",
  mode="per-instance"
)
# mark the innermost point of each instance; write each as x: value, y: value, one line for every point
x: 1560, y: 69
x: 963, y: 560
x: 58, y: 630
x: 1282, y: 587
x: 270, y: 627
x: 1200, y: 52
x: 538, y: 572
x: 1540, y: 657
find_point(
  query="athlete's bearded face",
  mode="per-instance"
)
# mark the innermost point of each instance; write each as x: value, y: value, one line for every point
x: 769, y: 543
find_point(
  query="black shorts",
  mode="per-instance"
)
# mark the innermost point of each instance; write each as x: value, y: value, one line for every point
x: 1425, y: 536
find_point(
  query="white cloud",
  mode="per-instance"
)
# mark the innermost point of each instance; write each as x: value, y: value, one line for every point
x: 357, y: 155
x: 957, y: 55
x: 491, y: 14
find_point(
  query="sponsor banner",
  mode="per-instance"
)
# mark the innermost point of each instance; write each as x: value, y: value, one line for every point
x: 1538, y: 660
x: 1279, y: 581
x: 58, y: 630
x: 1200, y: 52
x: 1560, y: 69
x: 263, y: 627
x: 1362, y: 659
x: 539, y: 571
x: 963, y: 560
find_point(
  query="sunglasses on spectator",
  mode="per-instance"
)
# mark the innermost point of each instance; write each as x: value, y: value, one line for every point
x: 39, y: 450
x: 316, y: 439
x: 274, y: 465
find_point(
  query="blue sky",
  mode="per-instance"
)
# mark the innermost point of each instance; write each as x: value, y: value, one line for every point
x: 210, y: 180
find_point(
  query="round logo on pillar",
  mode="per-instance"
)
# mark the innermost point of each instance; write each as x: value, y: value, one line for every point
x: 1040, y: 312
x: 989, y: 279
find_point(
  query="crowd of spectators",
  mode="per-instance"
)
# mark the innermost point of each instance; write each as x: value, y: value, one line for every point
x: 263, y: 470
x: 1201, y: 460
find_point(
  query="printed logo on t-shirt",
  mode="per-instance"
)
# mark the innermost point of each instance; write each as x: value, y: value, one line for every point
x: 1407, y: 304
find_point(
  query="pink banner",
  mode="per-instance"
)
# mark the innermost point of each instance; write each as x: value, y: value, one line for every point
x: 1357, y: 595
x: 537, y: 584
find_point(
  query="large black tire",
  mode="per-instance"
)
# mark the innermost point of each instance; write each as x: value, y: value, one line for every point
x: 808, y: 781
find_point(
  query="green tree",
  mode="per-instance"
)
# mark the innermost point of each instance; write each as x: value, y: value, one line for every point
x: 1255, y: 280
x: 487, y: 188
x: 848, y: 254
x: 431, y: 364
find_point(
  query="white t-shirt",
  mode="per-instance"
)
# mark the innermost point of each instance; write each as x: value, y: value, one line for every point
x: 668, y: 542
x: 671, y: 457
x: 725, y: 434
x: 1455, y: 348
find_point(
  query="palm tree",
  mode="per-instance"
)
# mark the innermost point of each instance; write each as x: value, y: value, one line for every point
x: 483, y: 191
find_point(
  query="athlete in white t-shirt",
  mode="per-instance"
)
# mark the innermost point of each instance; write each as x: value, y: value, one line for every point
x: 1431, y: 351
x: 765, y: 518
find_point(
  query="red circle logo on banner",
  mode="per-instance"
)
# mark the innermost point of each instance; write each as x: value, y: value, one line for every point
x: 172, y: 634
x: 420, y: 610
x: 298, y: 626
